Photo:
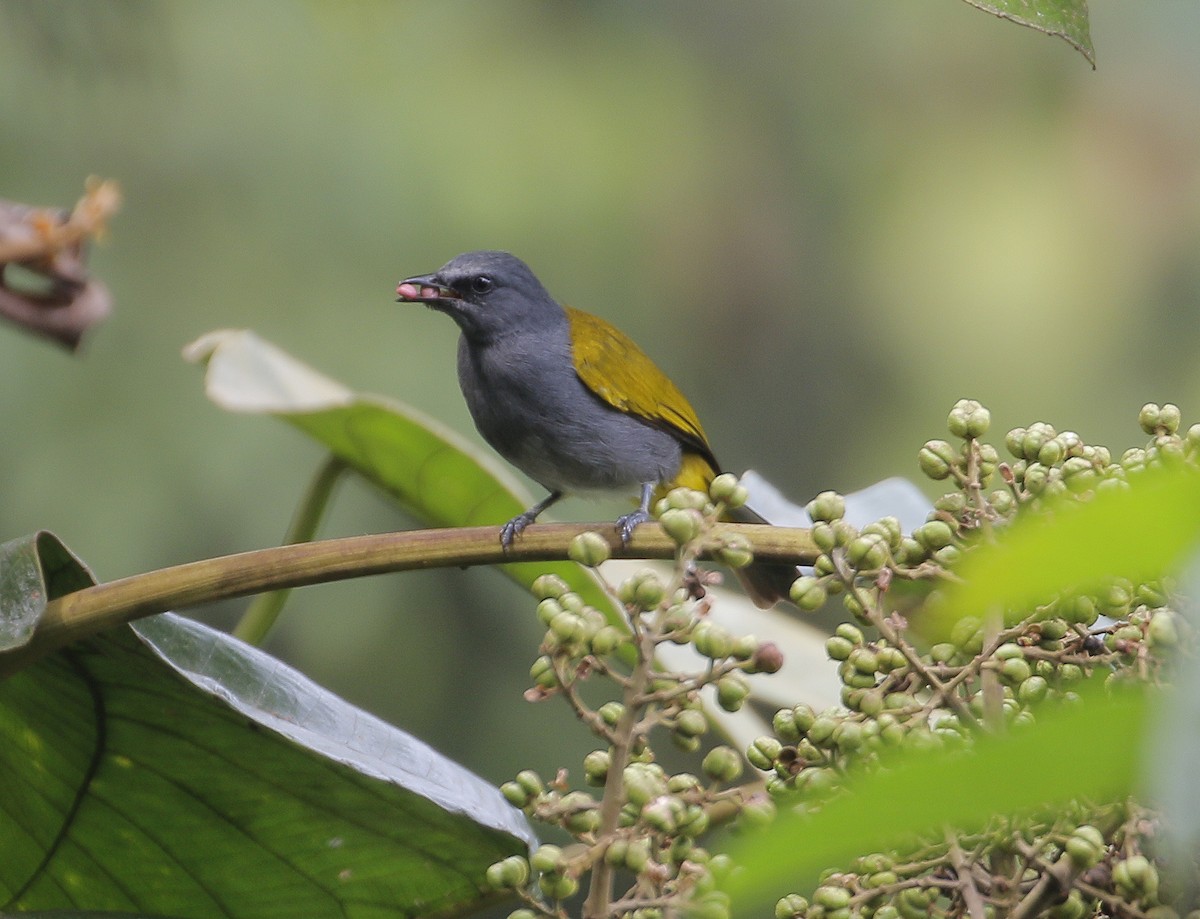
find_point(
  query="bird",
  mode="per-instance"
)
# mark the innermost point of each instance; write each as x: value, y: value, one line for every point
x: 571, y: 400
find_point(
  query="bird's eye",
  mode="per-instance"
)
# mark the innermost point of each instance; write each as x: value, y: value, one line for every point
x: 482, y: 284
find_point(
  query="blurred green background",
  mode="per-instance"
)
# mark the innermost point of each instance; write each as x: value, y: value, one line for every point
x: 826, y: 220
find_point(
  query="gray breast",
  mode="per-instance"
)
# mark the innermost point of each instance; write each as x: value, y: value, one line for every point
x: 530, y: 405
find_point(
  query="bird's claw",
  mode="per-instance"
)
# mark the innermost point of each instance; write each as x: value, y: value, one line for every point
x: 630, y: 522
x: 514, y: 528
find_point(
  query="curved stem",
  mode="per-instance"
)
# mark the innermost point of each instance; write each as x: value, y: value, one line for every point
x: 264, y: 610
x: 85, y: 612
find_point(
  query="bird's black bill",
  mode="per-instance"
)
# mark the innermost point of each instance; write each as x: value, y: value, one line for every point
x: 423, y: 289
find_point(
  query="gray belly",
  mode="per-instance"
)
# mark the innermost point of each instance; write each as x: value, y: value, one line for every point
x: 536, y: 413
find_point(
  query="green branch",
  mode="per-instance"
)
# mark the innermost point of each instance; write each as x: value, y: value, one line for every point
x: 86, y: 612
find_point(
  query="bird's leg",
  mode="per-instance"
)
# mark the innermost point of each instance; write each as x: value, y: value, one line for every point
x: 514, y: 527
x: 628, y: 523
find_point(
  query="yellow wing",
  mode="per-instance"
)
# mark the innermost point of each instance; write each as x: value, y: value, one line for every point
x: 620, y: 373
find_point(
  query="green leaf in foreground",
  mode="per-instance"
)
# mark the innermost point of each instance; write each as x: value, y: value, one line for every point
x: 1065, y: 19
x: 434, y: 474
x: 1138, y: 532
x: 169, y: 769
x: 34, y: 570
x: 1088, y: 750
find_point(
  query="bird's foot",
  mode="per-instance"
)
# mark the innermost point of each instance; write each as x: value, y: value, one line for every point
x: 630, y: 522
x: 514, y: 528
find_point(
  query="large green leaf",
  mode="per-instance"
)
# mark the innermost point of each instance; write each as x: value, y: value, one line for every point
x: 1089, y: 750
x: 33, y: 570
x: 166, y: 768
x: 1065, y: 19
x: 433, y: 473
x: 1141, y: 531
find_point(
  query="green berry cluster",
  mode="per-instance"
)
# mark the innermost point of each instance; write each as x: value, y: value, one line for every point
x: 1088, y: 862
x: 899, y: 691
x: 636, y: 828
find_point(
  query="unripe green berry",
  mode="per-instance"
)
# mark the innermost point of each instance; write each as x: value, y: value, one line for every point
x: 831, y: 897
x: 589, y: 549
x: 1014, y: 442
x: 804, y: 717
x: 936, y: 459
x: 808, y: 593
x: 582, y: 822
x: 1116, y: 599
x: 732, y: 691
x: 784, y: 725
x: 911, y: 552
x: 793, y: 906
x: 1081, y: 610
x: 713, y: 905
x: 722, y: 764
x: 691, y: 722
x: 610, y: 713
x: 868, y: 551
x: 826, y: 507
x: 663, y: 814
x: 734, y: 551
x: 1161, y: 632
x: 1008, y: 651
x: 744, y: 647
x: 549, y: 586
x: 682, y: 524
x: 838, y: 648
x: 943, y: 652
x: 542, y: 671
x: 712, y: 640
x: 595, y: 767
x: 864, y: 660
x: 947, y: 556
x: 1078, y: 474
x: 824, y: 536
x: 649, y: 591
x: 1085, y: 846
x: 522, y: 914
x: 934, y: 534
x: 558, y: 886
x: 637, y: 854
x: 508, y: 873
x: 606, y: 640
x: 614, y: 855
x: 849, y: 736
x: 821, y: 730
x: 1032, y: 690
x: 547, y: 609
x: 1052, y: 452
x: 726, y: 489
x: 823, y: 567
x: 850, y: 632
x: 1169, y: 418
x: 1072, y: 907
x: 514, y: 794
x: 567, y: 627
x: 643, y: 783
x: 953, y: 503
x: 1016, y: 670
x: 763, y: 753
x: 968, y: 419
x: 1148, y: 417
x: 547, y: 857
x: 1036, y: 478
x: 1002, y: 502
x: 967, y: 634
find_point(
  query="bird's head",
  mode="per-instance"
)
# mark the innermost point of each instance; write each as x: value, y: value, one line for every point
x: 487, y: 293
